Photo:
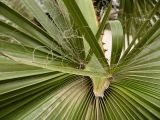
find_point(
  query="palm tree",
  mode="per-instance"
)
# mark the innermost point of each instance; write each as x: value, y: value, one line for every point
x: 59, y: 71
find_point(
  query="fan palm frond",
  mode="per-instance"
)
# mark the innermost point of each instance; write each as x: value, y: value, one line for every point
x: 58, y: 71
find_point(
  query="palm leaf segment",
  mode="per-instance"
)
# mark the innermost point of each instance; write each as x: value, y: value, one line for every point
x: 46, y: 74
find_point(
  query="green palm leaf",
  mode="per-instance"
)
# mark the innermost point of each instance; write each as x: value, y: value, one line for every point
x: 58, y: 70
